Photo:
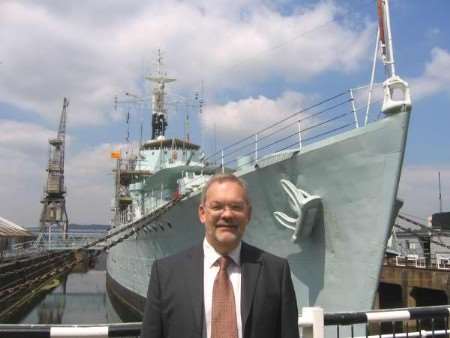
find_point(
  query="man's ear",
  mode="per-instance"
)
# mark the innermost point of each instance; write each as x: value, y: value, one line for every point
x: 249, y: 213
x: 202, y: 213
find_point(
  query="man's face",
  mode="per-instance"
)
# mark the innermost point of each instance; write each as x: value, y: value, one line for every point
x: 225, y: 214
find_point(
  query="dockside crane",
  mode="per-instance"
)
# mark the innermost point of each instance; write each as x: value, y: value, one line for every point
x: 54, y: 202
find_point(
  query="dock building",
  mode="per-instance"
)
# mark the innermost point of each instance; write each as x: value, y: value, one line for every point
x: 11, y: 234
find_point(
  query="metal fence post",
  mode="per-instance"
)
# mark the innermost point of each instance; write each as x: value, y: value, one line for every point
x: 355, y: 116
x: 312, y: 323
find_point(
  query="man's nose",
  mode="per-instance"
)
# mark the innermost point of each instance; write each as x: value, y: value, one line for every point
x: 227, y: 212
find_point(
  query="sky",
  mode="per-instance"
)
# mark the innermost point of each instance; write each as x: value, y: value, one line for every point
x: 252, y: 61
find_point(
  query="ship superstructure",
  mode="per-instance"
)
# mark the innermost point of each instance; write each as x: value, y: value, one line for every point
x: 323, y: 186
x: 161, y: 169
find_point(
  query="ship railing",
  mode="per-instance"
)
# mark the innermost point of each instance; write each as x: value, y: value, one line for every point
x: 22, y: 249
x: 434, y: 261
x: 411, y: 260
x: 443, y: 261
x: 316, y: 122
x: 430, y: 321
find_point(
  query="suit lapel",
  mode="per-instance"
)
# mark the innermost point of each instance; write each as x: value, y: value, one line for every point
x: 250, y: 267
x: 194, y: 279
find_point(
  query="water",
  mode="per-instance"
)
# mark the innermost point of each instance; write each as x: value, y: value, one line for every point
x: 81, y: 299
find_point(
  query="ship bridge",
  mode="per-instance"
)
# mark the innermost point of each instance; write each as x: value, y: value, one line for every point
x: 174, y: 143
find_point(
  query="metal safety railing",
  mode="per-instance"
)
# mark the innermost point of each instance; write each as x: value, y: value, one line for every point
x: 123, y: 330
x: 431, y: 321
x: 316, y: 122
x: 54, y: 241
x: 434, y: 261
x: 68, y: 241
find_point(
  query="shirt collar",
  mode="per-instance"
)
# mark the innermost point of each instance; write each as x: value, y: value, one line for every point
x: 211, y: 255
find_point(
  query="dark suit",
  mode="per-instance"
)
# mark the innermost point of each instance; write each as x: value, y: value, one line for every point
x: 174, y: 306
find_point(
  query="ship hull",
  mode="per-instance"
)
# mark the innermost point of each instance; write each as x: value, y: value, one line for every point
x: 337, y: 266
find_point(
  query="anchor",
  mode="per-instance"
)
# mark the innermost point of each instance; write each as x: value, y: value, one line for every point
x: 306, y: 208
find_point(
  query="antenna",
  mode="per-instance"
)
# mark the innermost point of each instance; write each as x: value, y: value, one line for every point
x: 159, y: 63
x: 440, y: 194
x: 215, y: 138
x: 200, y: 97
x: 141, y: 136
x: 127, y: 139
x: 186, y: 125
x: 159, y: 114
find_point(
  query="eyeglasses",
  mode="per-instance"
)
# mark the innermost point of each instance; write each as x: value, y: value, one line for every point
x: 218, y: 208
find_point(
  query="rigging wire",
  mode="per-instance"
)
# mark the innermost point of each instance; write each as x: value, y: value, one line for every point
x: 279, y: 122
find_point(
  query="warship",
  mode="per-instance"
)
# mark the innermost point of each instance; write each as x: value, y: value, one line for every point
x: 323, y: 184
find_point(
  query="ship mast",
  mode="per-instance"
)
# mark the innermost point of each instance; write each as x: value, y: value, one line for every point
x: 396, y: 91
x: 159, y: 111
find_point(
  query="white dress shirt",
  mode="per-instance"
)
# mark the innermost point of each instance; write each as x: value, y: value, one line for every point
x: 210, y: 270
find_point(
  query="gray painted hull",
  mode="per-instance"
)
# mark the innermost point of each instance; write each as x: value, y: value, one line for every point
x: 356, y: 174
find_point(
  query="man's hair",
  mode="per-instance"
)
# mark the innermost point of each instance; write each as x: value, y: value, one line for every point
x: 220, y: 178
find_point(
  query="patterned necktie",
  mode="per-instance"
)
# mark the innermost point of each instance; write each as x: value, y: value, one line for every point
x: 223, y: 319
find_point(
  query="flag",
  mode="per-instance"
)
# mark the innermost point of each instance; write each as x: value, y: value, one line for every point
x: 115, y: 154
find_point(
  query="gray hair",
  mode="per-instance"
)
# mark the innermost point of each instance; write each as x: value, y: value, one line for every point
x: 220, y: 178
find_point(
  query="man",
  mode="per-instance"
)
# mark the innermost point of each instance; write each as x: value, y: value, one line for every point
x: 223, y: 288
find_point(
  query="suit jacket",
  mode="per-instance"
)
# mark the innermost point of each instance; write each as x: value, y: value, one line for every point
x: 174, y: 306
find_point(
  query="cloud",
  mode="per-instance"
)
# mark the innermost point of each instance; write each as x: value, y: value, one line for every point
x: 88, y: 176
x: 419, y: 189
x: 47, y: 58
x: 90, y: 185
x: 240, y: 118
x: 24, y: 149
x: 24, y: 137
x: 235, y: 51
x: 92, y: 52
x: 21, y: 187
x: 435, y: 78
